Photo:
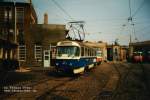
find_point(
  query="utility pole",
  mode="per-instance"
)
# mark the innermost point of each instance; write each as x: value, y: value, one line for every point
x: 130, y: 19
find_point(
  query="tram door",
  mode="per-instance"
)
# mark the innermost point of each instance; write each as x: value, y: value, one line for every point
x: 46, y: 58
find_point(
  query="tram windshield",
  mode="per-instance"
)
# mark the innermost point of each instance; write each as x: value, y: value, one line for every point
x: 68, y: 51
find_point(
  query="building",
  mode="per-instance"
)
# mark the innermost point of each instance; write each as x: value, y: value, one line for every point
x: 31, y: 42
x: 143, y: 47
x: 124, y: 53
x: 40, y: 42
x: 139, y: 46
x: 117, y: 53
x: 15, y: 17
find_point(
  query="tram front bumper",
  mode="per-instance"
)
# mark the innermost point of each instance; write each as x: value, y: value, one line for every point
x: 78, y: 70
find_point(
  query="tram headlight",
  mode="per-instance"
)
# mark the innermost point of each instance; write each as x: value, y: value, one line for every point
x: 57, y: 64
x: 94, y: 60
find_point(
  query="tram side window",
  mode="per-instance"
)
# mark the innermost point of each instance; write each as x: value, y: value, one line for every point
x: 85, y: 51
x: 88, y: 52
x: 77, y: 53
x: 92, y: 52
x: 82, y: 51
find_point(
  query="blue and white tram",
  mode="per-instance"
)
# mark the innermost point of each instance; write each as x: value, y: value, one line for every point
x: 74, y: 57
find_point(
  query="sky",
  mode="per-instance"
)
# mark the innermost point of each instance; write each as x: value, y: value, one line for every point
x: 105, y: 20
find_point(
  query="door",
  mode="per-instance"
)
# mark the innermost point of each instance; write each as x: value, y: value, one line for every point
x: 46, y: 58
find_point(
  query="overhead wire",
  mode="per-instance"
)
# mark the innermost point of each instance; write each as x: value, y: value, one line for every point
x: 143, y: 29
x: 62, y: 9
x: 58, y: 15
x: 139, y: 8
x: 144, y: 32
x: 65, y: 12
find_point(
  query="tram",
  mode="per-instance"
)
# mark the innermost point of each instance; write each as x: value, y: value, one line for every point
x: 138, y: 56
x: 98, y: 57
x: 74, y: 57
x: 147, y: 56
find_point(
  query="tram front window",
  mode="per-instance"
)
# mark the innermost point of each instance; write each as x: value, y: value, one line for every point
x: 67, y: 51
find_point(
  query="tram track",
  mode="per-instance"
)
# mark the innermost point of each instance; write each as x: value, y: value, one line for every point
x: 50, y: 90
x: 81, y: 77
x: 145, y: 77
x: 132, y: 82
x: 60, y: 80
x: 105, y: 82
x: 123, y: 73
x: 77, y: 87
x: 29, y: 83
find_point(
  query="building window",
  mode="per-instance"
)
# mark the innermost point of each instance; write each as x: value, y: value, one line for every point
x: 7, y: 14
x: 20, y: 14
x: 5, y: 54
x: 22, y: 53
x: 1, y: 53
x: 20, y: 36
x: 38, y: 52
x: 1, y: 14
x: 11, y: 54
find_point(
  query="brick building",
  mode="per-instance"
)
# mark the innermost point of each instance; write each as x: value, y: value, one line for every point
x: 27, y: 41
x: 40, y: 44
x: 15, y: 17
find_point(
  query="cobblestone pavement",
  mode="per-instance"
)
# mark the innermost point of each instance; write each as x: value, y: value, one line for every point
x: 108, y: 81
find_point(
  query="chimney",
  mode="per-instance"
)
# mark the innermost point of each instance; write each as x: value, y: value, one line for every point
x: 30, y: 1
x: 45, y: 18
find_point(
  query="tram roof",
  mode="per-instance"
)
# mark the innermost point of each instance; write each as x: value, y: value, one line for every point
x: 76, y: 43
x: 17, y: 1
